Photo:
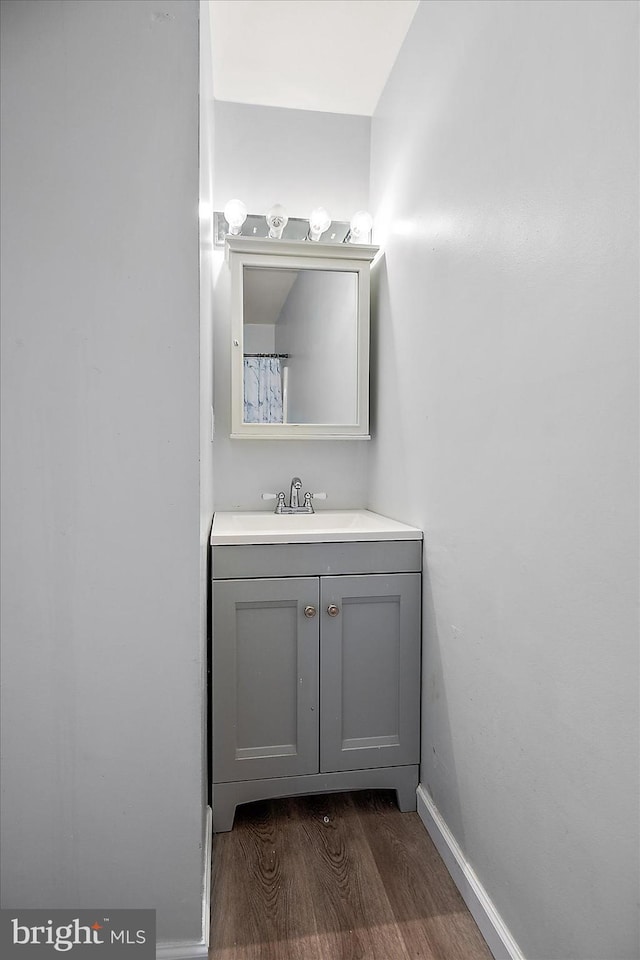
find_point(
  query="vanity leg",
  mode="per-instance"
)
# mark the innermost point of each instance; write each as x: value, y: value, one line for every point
x: 405, y: 788
x: 224, y: 811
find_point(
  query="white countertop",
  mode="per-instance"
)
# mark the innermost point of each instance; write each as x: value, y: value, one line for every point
x: 325, y: 526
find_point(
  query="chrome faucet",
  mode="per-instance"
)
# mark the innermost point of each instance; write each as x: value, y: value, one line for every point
x: 295, y: 506
x: 294, y: 499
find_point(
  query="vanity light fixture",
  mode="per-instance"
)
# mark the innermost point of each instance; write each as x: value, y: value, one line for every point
x: 319, y: 221
x: 235, y: 213
x: 360, y: 227
x: 277, y: 220
x: 278, y: 225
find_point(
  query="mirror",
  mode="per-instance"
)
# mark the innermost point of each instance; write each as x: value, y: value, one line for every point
x: 300, y: 346
x: 300, y: 339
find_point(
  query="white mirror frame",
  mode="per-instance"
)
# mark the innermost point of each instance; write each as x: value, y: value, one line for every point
x: 244, y: 252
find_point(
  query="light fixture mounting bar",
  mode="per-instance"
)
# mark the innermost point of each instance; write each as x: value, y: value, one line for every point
x: 295, y: 229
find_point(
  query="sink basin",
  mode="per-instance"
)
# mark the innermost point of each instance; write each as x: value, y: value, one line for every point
x: 326, y: 526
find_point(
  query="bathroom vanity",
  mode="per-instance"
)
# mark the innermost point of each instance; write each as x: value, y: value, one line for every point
x: 316, y: 656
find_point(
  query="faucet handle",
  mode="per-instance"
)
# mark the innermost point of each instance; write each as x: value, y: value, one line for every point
x: 308, y: 497
x: 275, y: 496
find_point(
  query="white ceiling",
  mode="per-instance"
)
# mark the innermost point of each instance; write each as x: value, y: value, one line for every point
x: 329, y: 55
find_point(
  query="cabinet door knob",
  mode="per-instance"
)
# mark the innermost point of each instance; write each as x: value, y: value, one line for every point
x: 332, y: 610
x: 309, y: 611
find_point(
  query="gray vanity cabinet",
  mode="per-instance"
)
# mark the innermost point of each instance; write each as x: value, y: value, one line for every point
x: 369, y: 665
x: 266, y: 668
x: 316, y: 679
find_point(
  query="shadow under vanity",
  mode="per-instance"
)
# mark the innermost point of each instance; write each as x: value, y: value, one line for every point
x: 315, y: 616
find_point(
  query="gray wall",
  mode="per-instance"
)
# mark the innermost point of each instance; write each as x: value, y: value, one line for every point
x: 504, y: 181
x: 302, y: 159
x: 207, y: 140
x: 102, y: 650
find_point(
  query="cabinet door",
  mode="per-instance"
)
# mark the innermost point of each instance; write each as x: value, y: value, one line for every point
x: 369, y: 671
x: 265, y: 679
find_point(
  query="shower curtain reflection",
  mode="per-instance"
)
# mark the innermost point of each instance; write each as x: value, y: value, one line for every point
x: 262, y: 390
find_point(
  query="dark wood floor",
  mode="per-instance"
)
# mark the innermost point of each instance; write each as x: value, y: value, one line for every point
x: 336, y: 877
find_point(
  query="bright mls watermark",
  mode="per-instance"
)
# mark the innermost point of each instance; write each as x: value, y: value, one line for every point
x: 78, y: 934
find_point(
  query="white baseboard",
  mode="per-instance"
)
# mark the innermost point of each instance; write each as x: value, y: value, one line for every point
x: 188, y: 950
x: 192, y: 949
x: 206, y: 882
x: 481, y: 907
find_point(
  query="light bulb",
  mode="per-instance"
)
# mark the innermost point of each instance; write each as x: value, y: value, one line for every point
x: 235, y: 213
x: 319, y: 221
x: 277, y: 220
x: 360, y: 227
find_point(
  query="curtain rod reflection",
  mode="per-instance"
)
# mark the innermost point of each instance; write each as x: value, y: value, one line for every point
x: 282, y: 356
